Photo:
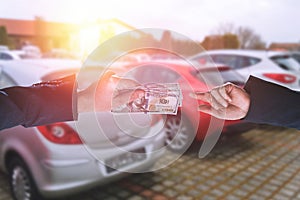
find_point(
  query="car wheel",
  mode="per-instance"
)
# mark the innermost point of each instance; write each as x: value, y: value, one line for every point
x: 179, y: 133
x: 21, y: 182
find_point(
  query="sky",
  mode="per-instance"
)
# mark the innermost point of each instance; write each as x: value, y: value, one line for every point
x: 273, y: 20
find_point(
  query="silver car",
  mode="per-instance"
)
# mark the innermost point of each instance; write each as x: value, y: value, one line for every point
x: 56, y: 160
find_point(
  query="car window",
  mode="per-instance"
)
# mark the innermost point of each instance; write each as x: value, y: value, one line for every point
x: 155, y: 73
x: 5, y: 56
x: 235, y: 61
x: 203, y: 59
x: 286, y: 62
x: 219, y: 75
x: 4, y: 47
x: 297, y: 57
x: 6, y: 80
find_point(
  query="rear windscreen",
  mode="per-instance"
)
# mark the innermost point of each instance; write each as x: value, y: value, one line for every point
x: 286, y: 62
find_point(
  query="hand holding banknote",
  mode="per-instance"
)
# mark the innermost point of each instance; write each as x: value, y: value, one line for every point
x: 106, y: 94
x: 151, y: 99
x: 122, y: 95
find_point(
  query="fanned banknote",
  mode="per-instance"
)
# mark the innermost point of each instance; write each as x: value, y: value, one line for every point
x: 157, y: 99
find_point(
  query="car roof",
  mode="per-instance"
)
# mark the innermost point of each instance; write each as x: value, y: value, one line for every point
x: 243, y: 52
x: 295, y: 52
x: 176, y: 62
x: 29, y: 71
x: 3, y: 47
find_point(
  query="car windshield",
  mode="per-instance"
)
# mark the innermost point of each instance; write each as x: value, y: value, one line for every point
x: 296, y: 56
x: 157, y: 73
x: 217, y: 75
x: 286, y: 62
x: 231, y: 60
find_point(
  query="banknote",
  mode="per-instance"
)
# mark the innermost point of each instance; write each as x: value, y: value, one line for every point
x: 173, y: 88
x: 158, y: 99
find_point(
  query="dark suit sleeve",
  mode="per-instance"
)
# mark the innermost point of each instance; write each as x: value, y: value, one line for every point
x: 40, y: 104
x: 272, y: 104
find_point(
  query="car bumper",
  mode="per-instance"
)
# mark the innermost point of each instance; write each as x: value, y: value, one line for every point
x: 58, y: 176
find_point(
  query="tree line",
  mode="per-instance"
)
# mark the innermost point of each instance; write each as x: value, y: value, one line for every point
x: 225, y: 36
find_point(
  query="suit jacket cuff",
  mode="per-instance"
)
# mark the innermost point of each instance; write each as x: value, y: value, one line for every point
x: 272, y: 104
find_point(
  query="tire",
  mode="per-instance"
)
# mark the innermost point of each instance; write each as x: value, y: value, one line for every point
x: 21, y: 182
x: 179, y: 133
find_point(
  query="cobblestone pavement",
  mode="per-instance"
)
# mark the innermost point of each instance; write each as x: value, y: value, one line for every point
x: 263, y: 163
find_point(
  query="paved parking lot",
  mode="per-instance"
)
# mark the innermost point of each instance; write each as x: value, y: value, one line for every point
x: 263, y: 163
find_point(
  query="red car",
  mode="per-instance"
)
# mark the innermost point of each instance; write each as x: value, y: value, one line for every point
x: 189, y: 123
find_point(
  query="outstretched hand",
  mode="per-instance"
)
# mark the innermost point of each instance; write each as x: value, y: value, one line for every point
x: 227, y: 101
x: 108, y: 93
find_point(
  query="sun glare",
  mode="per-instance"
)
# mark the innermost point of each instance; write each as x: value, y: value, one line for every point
x: 90, y: 14
x: 89, y: 38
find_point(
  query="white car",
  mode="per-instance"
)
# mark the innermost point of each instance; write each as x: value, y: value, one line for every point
x: 4, y: 48
x: 27, y: 52
x: 296, y: 55
x: 55, y: 160
x: 6, y: 55
x: 273, y: 66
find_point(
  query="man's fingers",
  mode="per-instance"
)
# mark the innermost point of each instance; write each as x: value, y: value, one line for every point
x: 128, y: 96
x: 208, y: 98
x: 212, y: 111
x: 224, y: 91
x: 203, y: 96
x: 213, y: 97
x: 137, y: 94
x: 124, y: 83
x: 218, y: 99
x: 206, y: 109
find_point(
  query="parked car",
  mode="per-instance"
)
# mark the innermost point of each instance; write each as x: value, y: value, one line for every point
x: 60, y: 53
x: 189, y: 124
x: 296, y: 55
x: 32, y: 51
x: 4, y: 48
x: 273, y: 66
x: 11, y: 54
x: 56, y: 160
